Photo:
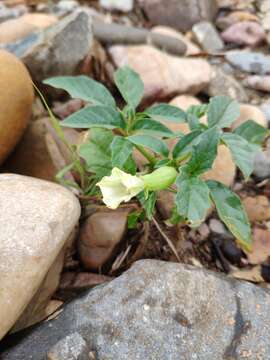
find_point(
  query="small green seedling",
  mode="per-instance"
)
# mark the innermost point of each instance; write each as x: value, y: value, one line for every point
x: 110, y: 169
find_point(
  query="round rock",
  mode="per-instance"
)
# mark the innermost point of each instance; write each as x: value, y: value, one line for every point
x: 16, y: 98
x: 36, y: 219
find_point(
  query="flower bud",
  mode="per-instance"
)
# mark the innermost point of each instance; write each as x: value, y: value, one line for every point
x: 160, y: 179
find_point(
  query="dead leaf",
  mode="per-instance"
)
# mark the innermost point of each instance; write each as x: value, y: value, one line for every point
x: 253, y: 275
x: 53, y: 309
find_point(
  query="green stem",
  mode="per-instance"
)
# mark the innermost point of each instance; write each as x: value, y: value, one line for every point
x: 152, y: 160
x: 61, y: 136
x: 182, y: 158
x: 53, y: 119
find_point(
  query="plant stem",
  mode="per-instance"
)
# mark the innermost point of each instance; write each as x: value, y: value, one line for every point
x: 53, y: 119
x: 147, y: 155
x: 183, y: 158
x: 61, y: 135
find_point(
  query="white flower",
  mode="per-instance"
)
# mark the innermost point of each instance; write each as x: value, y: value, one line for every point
x: 119, y: 187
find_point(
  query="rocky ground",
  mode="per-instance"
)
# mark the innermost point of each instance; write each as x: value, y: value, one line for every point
x: 54, y: 244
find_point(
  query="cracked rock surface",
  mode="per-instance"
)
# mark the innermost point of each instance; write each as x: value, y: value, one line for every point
x: 151, y: 312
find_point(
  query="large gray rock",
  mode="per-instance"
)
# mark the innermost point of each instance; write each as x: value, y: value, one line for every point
x: 57, y: 50
x: 36, y: 220
x: 157, y: 311
x: 179, y: 14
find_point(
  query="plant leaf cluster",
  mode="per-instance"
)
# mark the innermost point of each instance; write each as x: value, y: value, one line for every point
x: 117, y: 134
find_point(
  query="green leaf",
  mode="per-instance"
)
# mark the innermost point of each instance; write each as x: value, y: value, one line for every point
x: 121, y: 149
x: 165, y: 112
x: 242, y: 152
x: 133, y: 219
x: 151, y: 143
x: 130, y: 166
x: 231, y: 212
x: 130, y: 85
x: 163, y: 162
x: 193, y: 122
x: 252, y: 132
x: 148, y: 203
x: 151, y: 127
x: 175, y: 218
x: 222, y: 112
x: 192, y: 199
x: 204, y: 152
x: 198, y: 110
x: 97, y: 153
x: 84, y: 88
x: 95, y: 116
x: 185, y: 144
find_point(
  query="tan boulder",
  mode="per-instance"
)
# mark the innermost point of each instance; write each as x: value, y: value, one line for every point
x: 95, y: 246
x: 41, y: 153
x: 16, y: 98
x: 31, y: 157
x: 36, y: 220
x: 16, y: 29
x: 250, y: 112
x: 163, y: 75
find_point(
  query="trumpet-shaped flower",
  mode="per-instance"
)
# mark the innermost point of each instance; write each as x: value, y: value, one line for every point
x: 119, y: 187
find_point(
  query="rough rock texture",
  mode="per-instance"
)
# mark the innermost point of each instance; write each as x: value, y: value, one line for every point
x: 16, y: 29
x: 179, y: 14
x: 16, y: 98
x: 163, y: 75
x: 247, y: 33
x: 40, y: 153
x: 7, y: 13
x: 36, y: 220
x: 192, y: 48
x: 31, y: 156
x: 222, y: 83
x: 158, y: 311
x: 256, y: 82
x: 207, y: 36
x: 250, y: 62
x: 223, y: 22
x: 47, y: 53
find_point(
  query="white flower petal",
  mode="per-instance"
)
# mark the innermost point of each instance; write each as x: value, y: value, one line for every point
x: 119, y: 187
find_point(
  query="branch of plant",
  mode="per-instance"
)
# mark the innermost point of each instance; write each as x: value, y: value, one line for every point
x: 60, y: 133
x: 152, y: 160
